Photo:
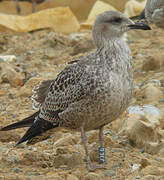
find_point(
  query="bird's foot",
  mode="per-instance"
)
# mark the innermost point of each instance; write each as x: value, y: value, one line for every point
x: 92, y: 167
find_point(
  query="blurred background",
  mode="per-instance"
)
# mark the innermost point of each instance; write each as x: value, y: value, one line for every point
x: 73, y: 11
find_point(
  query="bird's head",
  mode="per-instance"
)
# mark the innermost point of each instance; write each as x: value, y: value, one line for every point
x: 112, y: 25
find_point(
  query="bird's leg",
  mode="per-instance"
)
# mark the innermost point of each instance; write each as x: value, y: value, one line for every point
x: 84, y: 139
x: 33, y: 6
x: 101, y: 148
x: 91, y: 166
x: 101, y: 136
x: 18, y: 7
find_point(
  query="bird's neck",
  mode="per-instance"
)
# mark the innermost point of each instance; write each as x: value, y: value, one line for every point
x: 115, y: 55
x: 115, y: 48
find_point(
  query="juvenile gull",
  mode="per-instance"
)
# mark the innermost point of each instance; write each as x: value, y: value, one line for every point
x: 153, y: 13
x: 92, y: 91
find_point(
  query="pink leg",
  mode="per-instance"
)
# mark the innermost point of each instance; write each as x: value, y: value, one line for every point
x: 90, y: 165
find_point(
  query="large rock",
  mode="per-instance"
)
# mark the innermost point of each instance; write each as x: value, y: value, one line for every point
x: 60, y: 19
x: 9, y: 75
x: 26, y: 90
x: 99, y: 7
x: 143, y: 127
x: 80, y: 8
x: 150, y: 93
x: 133, y: 7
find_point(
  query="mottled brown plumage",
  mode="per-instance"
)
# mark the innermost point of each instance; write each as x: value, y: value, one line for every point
x: 94, y: 90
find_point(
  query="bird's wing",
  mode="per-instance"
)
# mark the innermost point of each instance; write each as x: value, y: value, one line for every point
x: 74, y: 83
x: 39, y: 93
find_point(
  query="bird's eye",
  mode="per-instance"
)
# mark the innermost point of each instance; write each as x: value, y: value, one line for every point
x: 117, y: 20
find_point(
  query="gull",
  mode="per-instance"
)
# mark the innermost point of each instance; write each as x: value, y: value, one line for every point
x: 90, y: 92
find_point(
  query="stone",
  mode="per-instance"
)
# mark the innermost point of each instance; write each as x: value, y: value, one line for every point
x: 98, y: 7
x: 144, y: 163
x: 9, y: 75
x: 133, y: 7
x: 26, y: 90
x: 151, y: 170
x: 142, y: 126
x: 135, y: 167
x: 17, y: 170
x: 8, y: 58
x: 109, y: 173
x: 151, y: 93
x: 144, y: 110
x: 150, y: 177
x: 138, y: 177
x: 161, y: 152
x: 92, y: 176
x: 72, y: 177
x: 53, y: 176
x: 67, y: 139
x: 55, y: 18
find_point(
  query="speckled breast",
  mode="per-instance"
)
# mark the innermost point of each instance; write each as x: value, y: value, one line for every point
x: 102, y: 107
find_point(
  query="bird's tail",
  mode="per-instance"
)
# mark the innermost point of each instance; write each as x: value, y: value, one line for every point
x: 27, y: 122
x: 38, y: 127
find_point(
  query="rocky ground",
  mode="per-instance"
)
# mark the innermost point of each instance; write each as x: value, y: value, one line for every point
x: 136, y: 152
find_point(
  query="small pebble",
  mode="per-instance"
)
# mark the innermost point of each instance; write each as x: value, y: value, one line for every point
x: 17, y: 69
x: 14, y: 116
x: 17, y: 170
x: 115, y: 137
x: 138, y: 177
x: 135, y: 167
x: 10, y: 96
x: 141, y: 150
x: 130, y: 41
x: 116, y: 166
x: 20, y: 146
x: 108, y: 132
x: 29, y: 148
x: 118, y: 150
x: 35, y: 149
x: 110, y: 173
x: 29, y: 173
x: 25, y: 66
x: 123, y: 155
x: 2, y: 108
x: 157, y: 159
x: 14, y: 159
